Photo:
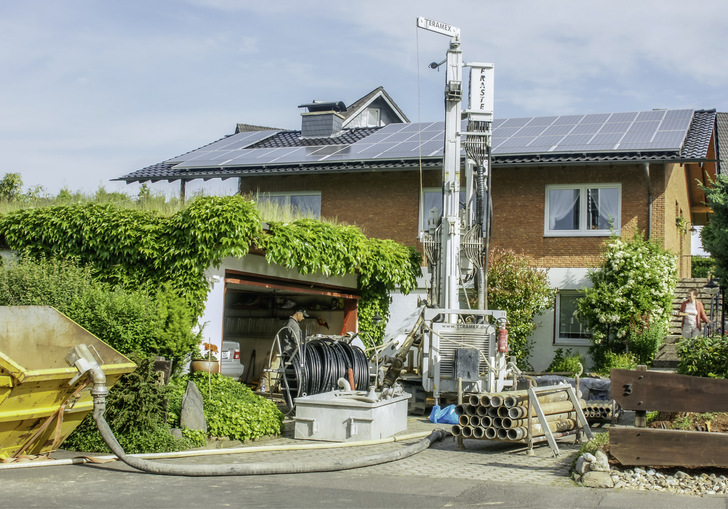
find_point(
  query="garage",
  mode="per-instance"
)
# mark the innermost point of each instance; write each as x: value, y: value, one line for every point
x: 256, y: 306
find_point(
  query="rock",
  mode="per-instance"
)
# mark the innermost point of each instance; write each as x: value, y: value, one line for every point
x: 597, y: 480
x: 582, y: 465
x: 588, y: 457
x: 680, y: 474
x: 619, y: 484
x: 191, y: 416
x: 638, y: 470
x: 176, y: 432
x: 601, y: 462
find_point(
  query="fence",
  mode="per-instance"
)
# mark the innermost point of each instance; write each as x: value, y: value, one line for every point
x: 643, y: 391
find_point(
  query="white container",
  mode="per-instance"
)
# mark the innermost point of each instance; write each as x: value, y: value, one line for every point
x: 346, y: 416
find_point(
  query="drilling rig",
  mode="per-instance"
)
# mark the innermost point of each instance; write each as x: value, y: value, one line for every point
x: 447, y: 347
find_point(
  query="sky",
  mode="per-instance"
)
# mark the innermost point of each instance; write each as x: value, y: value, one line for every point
x: 92, y: 90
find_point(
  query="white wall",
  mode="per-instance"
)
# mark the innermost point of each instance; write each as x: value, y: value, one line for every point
x: 543, y: 337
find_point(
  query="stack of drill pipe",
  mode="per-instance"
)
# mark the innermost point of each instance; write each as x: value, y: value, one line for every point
x: 598, y: 410
x: 505, y: 416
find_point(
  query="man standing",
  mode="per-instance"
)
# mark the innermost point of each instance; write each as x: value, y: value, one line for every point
x: 291, y: 337
x: 693, y: 315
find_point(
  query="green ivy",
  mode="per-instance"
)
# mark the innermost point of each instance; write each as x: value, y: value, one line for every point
x: 231, y: 409
x: 138, y: 249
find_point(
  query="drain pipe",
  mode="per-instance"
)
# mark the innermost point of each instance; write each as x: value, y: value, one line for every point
x: 100, y: 391
x: 649, y: 200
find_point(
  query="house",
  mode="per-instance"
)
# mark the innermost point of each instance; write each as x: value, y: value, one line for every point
x: 561, y: 185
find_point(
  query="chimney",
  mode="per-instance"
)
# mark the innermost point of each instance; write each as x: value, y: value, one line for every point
x: 322, y: 120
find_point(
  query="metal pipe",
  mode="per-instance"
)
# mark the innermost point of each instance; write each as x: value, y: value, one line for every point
x: 649, y: 200
x: 482, y: 411
x: 456, y: 430
x: 502, y: 434
x: 464, y: 420
x: 471, y: 409
x: 517, y: 423
x: 466, y: 431
x: 478, y: 432
x: 518, y: 412
x: 493, y: 411
x: 460, y: 409
x: 503, y: 411
x: 490, y: 433
x: 485, y: 400
x: 474, y: 420
x: 473, y: 400
x: 486, y: 421
x: 496, y: 400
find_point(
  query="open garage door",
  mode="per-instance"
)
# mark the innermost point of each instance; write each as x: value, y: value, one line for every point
x: 257, y: 307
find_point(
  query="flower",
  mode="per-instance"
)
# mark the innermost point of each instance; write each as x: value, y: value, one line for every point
x: 208, y: 352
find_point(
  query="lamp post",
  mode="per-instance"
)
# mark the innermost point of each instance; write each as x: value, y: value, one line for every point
x: 720, y: 296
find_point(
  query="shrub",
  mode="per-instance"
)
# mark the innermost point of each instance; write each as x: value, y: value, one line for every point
x: 523, y: 291
x: 702, y: 266
x: 566, y: 362
x: 135, y: 412
x: 611, y: 360
x: 643, y: 343
x: 632, y: 291
x: 231, y: 409
x: 128, y: 320
x: 704, y: 356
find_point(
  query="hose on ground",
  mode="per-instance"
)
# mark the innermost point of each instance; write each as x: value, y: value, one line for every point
x: 255, y: 468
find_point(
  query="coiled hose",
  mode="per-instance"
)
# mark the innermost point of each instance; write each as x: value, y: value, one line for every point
x: 254, y: 468
x: 324, y: 362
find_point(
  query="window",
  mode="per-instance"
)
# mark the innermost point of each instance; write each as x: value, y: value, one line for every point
x: 307, y: 203
x: 373, y: 116
x: 583, y: 210
x: 431, y: 204
x: 568, y: 330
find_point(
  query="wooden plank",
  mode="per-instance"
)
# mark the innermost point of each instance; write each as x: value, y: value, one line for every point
x: 668, y: 392
x: 667, y: 447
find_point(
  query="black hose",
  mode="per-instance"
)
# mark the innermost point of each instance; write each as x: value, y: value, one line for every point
x: 255, y: 468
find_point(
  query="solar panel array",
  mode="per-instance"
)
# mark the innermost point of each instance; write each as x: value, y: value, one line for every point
x: 636, y: 131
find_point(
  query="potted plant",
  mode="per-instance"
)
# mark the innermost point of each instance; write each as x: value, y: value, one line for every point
x: 205, y: 360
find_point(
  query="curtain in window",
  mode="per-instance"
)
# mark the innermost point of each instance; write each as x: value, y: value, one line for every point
x: 607, y: 205
x: 561, y: 203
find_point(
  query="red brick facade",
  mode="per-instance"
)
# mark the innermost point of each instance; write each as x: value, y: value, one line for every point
x: 385, y: 204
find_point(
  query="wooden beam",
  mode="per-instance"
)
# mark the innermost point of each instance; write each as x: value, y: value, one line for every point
x: 667, y: 447
x: 668, y: 392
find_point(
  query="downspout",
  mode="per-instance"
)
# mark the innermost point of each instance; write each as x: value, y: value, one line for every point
x: 649, y: 200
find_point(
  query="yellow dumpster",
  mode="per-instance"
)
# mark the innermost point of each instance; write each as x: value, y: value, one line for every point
x: 38, y: 406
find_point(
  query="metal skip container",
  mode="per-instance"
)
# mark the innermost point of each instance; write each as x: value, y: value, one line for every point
x: 41, y: 398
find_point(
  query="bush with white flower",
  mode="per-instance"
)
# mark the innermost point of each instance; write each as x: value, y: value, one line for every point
x: 629, y: 305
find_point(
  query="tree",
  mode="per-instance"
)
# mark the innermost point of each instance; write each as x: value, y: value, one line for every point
x: 631, y: 298
x: 715, y: 233
x: 523, y: 292
x: 10, y: 187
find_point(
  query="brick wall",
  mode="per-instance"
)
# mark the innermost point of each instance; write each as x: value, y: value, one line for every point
x: 386, y: 205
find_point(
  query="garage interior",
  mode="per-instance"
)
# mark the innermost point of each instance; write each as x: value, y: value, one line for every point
x: 257, y: 307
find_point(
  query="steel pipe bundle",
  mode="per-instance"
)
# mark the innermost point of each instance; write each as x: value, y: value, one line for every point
x: 505, y: 416
x: 602, y: 410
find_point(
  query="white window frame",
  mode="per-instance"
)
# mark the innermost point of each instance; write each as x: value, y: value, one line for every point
x: 424, y: 213
x: 583, y: 231
x: 558, y: 340
x: 289, y: 194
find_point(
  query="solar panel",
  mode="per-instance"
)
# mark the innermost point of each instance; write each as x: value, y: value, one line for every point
x: 648, y: 130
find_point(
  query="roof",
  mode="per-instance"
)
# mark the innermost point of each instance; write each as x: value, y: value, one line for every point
x: 357, y: 106
x: 658, y: 135
x: 721, y: 123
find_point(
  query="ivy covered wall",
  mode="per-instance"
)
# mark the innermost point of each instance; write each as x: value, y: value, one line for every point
x: 135, y: 249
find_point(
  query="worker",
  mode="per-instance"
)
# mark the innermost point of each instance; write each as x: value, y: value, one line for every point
x: 290, y: 339
x: 291, y: 334
x: 693, y: 315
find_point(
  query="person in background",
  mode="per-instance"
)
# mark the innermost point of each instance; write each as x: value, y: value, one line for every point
x: 693, y: 315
